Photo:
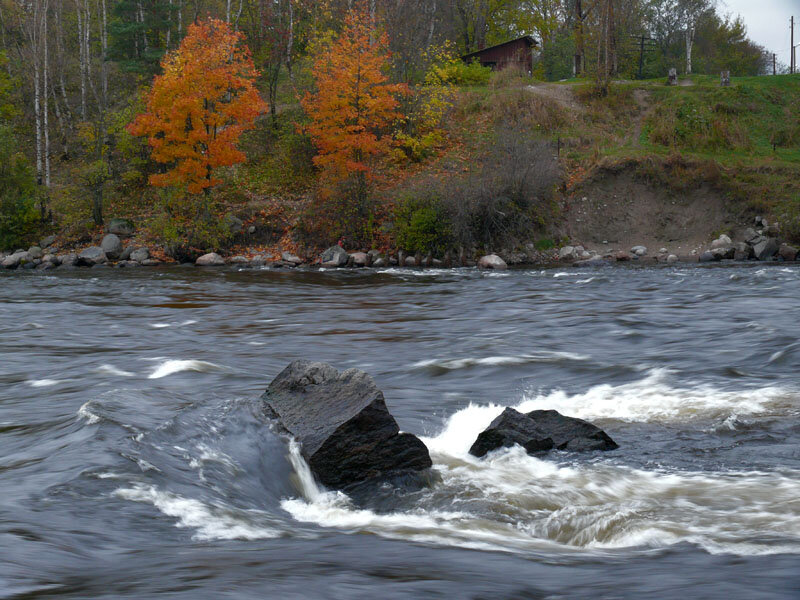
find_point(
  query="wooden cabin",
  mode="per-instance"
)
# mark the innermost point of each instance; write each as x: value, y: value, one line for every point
x: 518, y: 52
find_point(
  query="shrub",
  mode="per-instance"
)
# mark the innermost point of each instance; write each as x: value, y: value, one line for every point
x: 421, y: 224
x: 473, y: 73
x: 189, y: 225
x: 504, y: 202
x: 19, y: 217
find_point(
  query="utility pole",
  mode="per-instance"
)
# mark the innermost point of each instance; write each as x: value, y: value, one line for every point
x: 791, y: 58
x: 774, y: 64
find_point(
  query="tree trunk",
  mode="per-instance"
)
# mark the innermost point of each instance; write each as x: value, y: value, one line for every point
x: 83, y: 58
x: 689, y: 44
x: 45, y: 95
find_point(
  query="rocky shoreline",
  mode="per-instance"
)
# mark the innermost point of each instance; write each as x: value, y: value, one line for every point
x: 760, y: 243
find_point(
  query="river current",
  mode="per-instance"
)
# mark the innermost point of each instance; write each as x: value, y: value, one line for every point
x: 135, y: 460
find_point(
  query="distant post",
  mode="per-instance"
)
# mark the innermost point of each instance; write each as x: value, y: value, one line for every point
x: 725, y: 78
x: 673, y: 77
x: 774, y: 64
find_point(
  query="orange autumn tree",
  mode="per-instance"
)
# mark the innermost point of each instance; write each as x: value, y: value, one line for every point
x: 200, y: 106
x: 353, y: 108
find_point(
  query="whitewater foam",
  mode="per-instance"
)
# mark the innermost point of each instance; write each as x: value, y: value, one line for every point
x: 209, y: 522
x: 38, y: 383
x: 112, y: 370
x: 654, y: 398
x: 464, y: 363
x: 171, y: 367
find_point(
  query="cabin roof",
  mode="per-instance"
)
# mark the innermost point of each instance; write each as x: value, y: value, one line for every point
x: 529, y: 40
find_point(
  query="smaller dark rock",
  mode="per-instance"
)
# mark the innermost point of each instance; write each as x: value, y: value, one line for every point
x: 569, y: 433
x: 511, y: 427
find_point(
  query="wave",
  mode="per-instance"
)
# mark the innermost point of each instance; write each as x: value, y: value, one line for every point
x: 493, y: 361
x: 112, y: 370
x: 209, y: 522
x: 171, y: 367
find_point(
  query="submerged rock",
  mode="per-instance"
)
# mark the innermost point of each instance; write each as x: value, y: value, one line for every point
x: 539, y: 431
x: 345, y: 432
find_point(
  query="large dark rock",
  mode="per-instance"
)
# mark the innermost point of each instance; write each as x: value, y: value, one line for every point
x: 345, y: 432
x: 541, y: 430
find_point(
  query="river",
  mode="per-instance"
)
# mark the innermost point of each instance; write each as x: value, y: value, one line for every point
x: 135, y: 460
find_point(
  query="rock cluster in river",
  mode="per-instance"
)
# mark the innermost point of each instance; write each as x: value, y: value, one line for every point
x: 352, y: 443
x: 345, y: 431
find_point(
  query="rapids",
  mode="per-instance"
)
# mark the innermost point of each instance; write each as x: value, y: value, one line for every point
x: 135, y: 460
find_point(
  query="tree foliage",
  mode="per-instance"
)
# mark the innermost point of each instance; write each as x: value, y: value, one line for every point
x: 354, y: 106
x: 200, y: 106
x: 18, y: 213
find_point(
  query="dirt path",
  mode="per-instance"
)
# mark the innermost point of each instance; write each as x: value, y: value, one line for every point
x: 642, y: 98
x: 561, y: 94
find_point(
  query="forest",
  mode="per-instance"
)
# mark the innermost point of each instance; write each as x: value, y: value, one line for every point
x: 264, y: 125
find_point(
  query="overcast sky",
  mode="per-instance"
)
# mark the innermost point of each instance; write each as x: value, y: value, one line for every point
x: 768, y: 22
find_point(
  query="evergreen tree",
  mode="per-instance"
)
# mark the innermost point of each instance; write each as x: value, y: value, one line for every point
x: 142, y: 31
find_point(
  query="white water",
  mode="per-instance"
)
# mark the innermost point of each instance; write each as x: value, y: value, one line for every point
x: 171, y: 367
x: 210, y: 522
x: 515, y: 502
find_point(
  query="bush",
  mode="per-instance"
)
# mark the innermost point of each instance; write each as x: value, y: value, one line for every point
x: 19, y: 217
x: 420, y: 223
x: 461, y: 73
x: 510, y: 197
x: 189, y: 225
x: 505, y: 202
